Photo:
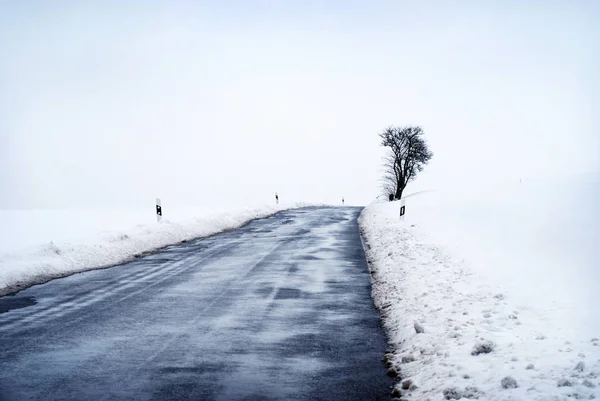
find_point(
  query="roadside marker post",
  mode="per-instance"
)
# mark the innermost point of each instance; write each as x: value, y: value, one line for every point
x: 402, y: 209
x: 158, y: 210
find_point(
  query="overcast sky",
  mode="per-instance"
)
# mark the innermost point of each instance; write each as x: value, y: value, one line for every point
x: 225, y: 102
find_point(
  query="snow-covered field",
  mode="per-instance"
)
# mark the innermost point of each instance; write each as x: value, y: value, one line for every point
x: 503, y: 281
x: 37, y: 245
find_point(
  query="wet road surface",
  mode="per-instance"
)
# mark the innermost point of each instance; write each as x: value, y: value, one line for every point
x: 277, y: 310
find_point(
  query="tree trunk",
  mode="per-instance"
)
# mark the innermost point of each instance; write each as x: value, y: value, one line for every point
x: 399, y: 190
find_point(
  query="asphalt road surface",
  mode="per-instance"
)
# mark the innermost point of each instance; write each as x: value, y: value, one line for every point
x: 277, y: 310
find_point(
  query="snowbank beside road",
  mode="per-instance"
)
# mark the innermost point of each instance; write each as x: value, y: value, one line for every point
x: 504, y: 287
x: 61, y: 242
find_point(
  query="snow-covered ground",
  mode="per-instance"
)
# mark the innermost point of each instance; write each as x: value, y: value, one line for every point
x: 512, y: 269
x: 36, y: 245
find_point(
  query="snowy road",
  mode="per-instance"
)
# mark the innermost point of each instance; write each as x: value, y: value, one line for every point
x: 279, y: 309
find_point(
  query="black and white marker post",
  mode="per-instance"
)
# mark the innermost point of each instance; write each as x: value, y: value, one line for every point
x: 158, y: 210
x: 402, y: 209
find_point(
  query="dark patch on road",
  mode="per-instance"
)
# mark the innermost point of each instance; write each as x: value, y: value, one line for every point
x: 264, y: 291
x: 195, y: 370
x: 15, y: 302
x: 302, y: 344
x: 326, y: 249
x: 288, y: 293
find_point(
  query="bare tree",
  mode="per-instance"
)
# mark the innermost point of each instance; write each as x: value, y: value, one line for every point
x: 388, y: 179
x: 408, y: 154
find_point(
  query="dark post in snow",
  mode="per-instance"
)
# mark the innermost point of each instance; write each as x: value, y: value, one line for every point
x: 276, y: 198
x: 402, y: 209
x: 158, y: 210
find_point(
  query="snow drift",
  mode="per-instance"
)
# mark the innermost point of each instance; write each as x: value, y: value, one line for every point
x: 39, y: 245
x: 491, y: 293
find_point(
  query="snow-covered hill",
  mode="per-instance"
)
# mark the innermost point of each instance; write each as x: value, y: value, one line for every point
x: 511, y: 269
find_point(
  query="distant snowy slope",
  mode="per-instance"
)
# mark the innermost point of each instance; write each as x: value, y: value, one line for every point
x: 539, y: 240
x: 25, y: 228
x: 514, y: 264
x: 38, y: 245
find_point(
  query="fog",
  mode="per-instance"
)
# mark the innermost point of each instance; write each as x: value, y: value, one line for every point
x: 225, y: 103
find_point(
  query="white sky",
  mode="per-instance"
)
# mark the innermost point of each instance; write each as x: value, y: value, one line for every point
x: 200, y: 103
